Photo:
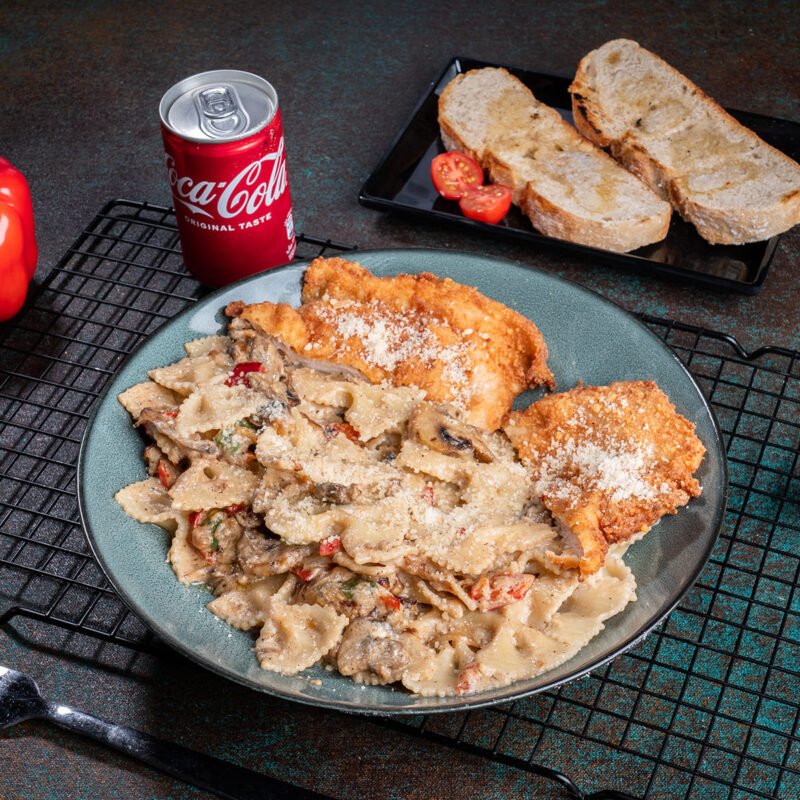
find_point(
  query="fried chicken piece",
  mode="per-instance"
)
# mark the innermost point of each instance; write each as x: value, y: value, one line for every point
x: 608, y: 461
x: 413, y: 330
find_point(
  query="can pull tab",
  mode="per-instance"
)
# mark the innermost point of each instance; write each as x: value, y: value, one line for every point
x: 221, y: 112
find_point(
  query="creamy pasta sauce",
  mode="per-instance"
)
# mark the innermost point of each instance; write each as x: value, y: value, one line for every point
x: 357, y: 525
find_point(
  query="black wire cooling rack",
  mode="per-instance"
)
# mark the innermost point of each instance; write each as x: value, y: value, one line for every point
x: 706, y: 707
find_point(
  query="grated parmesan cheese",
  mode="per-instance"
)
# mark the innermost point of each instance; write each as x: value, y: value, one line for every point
x: 619, y: 469
x: 387, y: 339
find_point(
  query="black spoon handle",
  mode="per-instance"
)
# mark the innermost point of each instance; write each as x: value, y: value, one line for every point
x: 201, y: 770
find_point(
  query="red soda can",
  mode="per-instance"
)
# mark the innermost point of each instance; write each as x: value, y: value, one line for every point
x: 224, y: 146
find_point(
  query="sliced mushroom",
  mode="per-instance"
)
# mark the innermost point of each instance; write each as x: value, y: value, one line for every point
x: 336, y: 493
x: 259, y: 555
x: 161, y: 420
x: 263, y: 350
x: 152, y: 455
x: 387, y: 446
x: 247, y: 519
x: 444, y: 433
x: 326, y: 589
x: 251, y: 345
x: 274, y: 409
x: 240, y: 329
x: 349, y: 594
x: 372, y: 647
x: 294, y: 359
x: 272, y: 379
x: 273, y: 387
x: 227, y: 535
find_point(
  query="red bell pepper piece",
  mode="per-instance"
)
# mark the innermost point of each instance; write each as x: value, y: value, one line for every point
x: 331, y: 545
x: 238, y: 375
x: 18, y: 251
x: 305, y: 575
x: 166, y: 472
x: 391, y: 602
x: 331, y: 429
x: 500, y: 590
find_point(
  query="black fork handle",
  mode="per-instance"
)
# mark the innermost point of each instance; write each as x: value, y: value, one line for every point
x: 201, y: 770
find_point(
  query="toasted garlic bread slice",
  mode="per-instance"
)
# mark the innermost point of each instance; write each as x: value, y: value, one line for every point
x: 569, y: 188
x: 734, y: 187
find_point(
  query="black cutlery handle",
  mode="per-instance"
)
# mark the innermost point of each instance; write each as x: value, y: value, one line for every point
x: 199, y: 769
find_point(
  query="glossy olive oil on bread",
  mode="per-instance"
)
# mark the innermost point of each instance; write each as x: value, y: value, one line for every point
x: 731, y: 185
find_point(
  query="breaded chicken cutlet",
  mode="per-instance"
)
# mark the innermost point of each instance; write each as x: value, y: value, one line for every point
x: 413, y: 330
x: 608, y: 461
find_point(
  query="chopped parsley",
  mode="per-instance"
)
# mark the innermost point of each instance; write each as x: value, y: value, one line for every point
x: 228, y: 441
x: 349, y: 585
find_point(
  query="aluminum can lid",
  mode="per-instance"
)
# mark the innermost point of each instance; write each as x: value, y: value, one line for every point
x: 223, y: 105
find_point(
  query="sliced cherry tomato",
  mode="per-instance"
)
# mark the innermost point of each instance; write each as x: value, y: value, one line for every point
x: 454, y: 173
x: 486, y: 203
x: 238, y: 375
x: 236, y: 508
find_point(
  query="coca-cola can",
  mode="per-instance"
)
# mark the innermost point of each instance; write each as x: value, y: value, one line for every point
x: 224, y: 146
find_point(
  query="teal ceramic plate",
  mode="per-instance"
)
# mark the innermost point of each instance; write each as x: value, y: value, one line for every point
x: 589, y: 339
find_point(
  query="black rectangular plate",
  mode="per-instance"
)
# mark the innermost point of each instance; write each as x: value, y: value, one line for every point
x: 401, y: 181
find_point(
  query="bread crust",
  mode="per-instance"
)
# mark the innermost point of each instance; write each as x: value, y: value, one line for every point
x: 719, y: 223
x: 620, y: 233
x: 623, y: 237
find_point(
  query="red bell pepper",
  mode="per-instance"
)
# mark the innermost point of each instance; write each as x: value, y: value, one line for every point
x: 18, y: 251
x: 331, y: 545
x: 238, y: 376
